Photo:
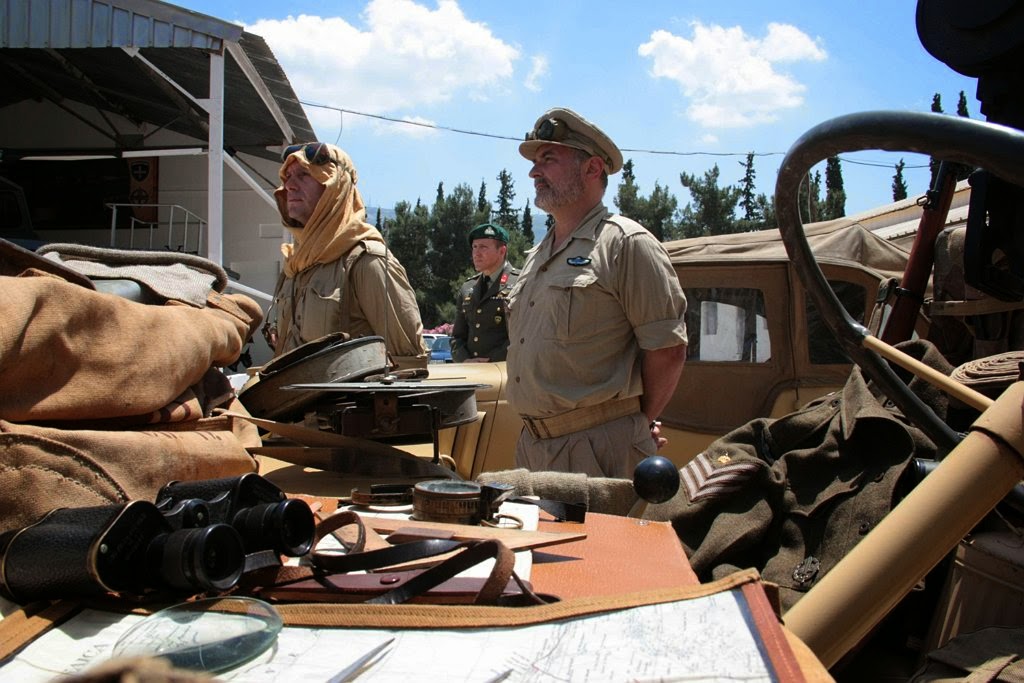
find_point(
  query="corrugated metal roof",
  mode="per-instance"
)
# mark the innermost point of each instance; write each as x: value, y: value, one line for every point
x: 114, y: 23
x: 71, y: 51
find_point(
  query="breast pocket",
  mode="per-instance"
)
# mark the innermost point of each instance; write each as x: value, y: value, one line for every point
x: 571, y: 299
x: 321, y: 312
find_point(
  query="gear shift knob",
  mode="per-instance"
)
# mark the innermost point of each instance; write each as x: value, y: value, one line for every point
x: 656, y: 479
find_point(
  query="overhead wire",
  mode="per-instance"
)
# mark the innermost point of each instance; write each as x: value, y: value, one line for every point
x: 463, y: 131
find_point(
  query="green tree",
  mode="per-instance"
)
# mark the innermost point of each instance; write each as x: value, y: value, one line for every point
x: 766, y: 206
x: 933, y: 163
x: 506, y: 216
x: 528, y: 225
x: 379, y: 225
x: 835, y: 195
x: 628, y: 192
x: 810, y: 198
x: 899, y: 185
x: 748, y: 199
x: 961, y: 106
x: 409, y: 240
x: 658, y: 213
x: 482, y: 205
x: 711, y: 210
x: 451, y: 219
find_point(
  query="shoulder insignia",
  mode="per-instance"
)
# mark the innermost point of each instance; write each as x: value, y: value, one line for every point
x: 578, y: 261
x: 704, y: 477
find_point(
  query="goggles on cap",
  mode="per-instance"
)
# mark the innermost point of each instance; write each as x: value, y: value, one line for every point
x: 549, y: 130
x: 317, y: 153
x: 557, y: 130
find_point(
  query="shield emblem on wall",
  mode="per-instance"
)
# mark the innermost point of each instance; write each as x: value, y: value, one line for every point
x: 139, y: 170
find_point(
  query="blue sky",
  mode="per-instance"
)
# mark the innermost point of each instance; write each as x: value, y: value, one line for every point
x: 702, y: 82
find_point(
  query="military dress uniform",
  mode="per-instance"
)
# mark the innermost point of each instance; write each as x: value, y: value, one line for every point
x: 481, y: 328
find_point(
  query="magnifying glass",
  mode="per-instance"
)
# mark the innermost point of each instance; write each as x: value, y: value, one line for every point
x: 212, y: 635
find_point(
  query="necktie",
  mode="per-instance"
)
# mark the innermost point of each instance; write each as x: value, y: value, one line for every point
x: 485, y: 283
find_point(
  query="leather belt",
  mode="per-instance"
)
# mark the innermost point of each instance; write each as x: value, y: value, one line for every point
x: 581, y: 418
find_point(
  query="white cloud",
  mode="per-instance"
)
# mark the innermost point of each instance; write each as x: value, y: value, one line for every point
x: 787, y: 43
x: 708, y: 139
x: 538, y: 70
x: 730, y: 77
x: 407, y: 56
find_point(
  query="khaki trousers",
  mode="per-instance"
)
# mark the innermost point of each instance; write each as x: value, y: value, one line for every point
x: 612, y: 449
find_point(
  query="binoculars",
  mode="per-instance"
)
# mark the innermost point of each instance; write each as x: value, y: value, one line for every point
x: 259, y: 511
x: 196, y: 538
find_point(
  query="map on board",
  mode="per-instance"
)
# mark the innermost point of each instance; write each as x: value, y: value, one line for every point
x: 708, y: 638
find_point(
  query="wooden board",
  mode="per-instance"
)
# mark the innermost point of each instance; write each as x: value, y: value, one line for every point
x: 516, y: 539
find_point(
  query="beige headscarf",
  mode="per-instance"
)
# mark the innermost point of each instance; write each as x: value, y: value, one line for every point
x: 338, y: 222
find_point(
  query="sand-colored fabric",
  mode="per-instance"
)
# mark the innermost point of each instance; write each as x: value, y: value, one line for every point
x: 43, y: 468
x: 600, y: 494
x: 337, y: 224
x: 70, y: 353
x: 104, y: 400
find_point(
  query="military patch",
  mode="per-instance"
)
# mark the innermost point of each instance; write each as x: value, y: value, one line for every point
x: 703, y: 479
x: 578, y: 261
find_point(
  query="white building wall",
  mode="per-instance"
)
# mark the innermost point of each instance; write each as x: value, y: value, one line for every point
x: 252, y: 226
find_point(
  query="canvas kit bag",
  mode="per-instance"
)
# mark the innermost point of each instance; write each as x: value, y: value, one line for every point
x: 104, y: 399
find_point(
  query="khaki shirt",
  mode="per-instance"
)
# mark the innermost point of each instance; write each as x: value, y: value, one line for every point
x: 314, y: 303
x: 579, y: 318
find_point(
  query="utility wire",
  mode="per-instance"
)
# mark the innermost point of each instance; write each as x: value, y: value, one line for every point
x: 463, y: 131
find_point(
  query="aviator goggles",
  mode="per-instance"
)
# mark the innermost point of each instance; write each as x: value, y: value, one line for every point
x: 317, y: 153
x: 549, y: 130
x: 557, y: 130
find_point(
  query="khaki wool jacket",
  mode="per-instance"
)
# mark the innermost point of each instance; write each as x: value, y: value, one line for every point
x: 348, y: 295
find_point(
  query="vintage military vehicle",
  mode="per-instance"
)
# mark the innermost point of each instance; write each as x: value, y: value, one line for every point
x: 758, y: 348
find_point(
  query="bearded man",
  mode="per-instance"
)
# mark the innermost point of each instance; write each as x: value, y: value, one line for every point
x: 596, y: 319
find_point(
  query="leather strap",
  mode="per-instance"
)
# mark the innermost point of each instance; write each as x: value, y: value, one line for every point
x: 484, y: 550
x: 581, y: 418
x: 560, y: 510
x: 325, y: 565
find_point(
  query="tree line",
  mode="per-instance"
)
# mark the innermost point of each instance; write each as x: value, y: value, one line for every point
x: 432, y: 242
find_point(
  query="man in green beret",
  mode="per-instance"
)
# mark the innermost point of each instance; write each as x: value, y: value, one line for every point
x: 480, y: 332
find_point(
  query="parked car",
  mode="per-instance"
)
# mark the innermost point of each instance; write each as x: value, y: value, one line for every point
x: 441, y: 349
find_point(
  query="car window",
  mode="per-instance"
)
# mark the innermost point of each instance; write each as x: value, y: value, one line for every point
x: 727, y: 324
x: 821, y: 343
x: 441, y: 344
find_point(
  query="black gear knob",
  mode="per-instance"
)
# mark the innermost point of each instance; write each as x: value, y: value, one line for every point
x: 655, y: 479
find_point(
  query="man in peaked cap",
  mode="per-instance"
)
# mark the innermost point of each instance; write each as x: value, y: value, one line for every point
x: 596, y: 319
x: 480, y: 332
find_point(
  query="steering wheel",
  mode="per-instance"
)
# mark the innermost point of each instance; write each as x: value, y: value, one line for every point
x: 993, y: 147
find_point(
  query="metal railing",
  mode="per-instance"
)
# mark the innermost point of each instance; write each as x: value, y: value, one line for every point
x: 173, y: 216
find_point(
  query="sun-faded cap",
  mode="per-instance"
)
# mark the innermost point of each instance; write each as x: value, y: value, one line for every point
x: 560, y: 126
x: 488, y: 231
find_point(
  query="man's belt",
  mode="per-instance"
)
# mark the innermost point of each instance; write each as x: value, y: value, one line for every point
x: 581, y: 418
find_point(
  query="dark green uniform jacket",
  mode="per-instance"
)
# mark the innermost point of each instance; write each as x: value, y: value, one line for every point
x: 481, y: 325
x: 789, y: 496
